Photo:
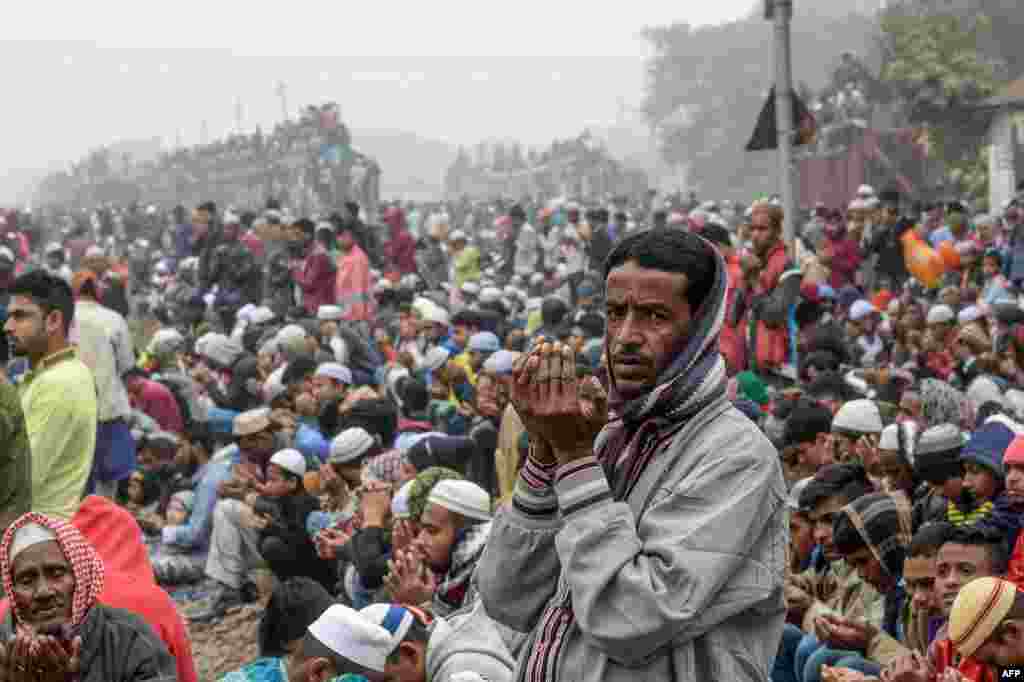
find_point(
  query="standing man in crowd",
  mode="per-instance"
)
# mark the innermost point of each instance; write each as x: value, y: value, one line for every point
x: 58, y: 393
x: 105, y: 346
x: 653, y: 548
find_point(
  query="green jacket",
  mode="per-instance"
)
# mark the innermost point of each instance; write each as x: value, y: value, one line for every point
x: 15, y: 458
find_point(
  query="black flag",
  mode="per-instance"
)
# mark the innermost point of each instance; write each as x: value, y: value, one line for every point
x: 766, y: 134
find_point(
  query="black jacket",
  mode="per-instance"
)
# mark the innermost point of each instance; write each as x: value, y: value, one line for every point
x: 117, y: 646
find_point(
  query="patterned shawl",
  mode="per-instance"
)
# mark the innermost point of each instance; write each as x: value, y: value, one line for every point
x: 85, y: 564
x: 455, y: 589
x: 696, y: 377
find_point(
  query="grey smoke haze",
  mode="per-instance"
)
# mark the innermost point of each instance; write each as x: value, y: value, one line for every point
x: 81, y: 75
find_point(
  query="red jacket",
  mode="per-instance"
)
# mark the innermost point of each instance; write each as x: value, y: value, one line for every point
x: 130, y: 583
x: 316, y: 277
x: 942, y: 655
x: 400, y: 252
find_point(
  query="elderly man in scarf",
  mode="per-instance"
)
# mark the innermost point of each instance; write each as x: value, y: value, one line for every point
x: 655, y: 547
x: 56, y: 629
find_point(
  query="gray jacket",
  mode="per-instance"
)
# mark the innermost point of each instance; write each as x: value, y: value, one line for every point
x: 468, y: 641
x: 682, y: 581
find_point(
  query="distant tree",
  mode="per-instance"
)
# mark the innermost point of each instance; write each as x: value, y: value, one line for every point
x: 706, y: 86
x: 499, y: 158
x: 933, y: 62
x: 516, y: 160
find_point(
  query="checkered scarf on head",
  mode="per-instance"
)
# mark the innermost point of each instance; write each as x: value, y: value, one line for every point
x: 86, y: 564
x: 884, y: 523
x: 637, y: 431
x: 693, y: 380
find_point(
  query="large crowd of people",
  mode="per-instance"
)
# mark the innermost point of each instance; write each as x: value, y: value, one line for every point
x: 566, y: 440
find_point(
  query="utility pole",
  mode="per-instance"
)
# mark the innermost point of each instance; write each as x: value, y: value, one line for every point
x: 204, y: 133
x: 282, y: 92
x: 780, y: 12
x: 238, y: 115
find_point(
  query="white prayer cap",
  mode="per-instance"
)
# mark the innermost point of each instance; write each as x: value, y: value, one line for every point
x: 28, y: 535
x: 261, y: 315
x: 290, y: 460
x: 462, y: 497
x: 352, y: 636
x: 329, y: 312
x: 350, y: 445
x: 290, y: 331
x: 501, y: 362
x: 336, y: 371
x: 435, y: 313
x: 393, y: 618
x: 436, y: 358
x: 490, y: 295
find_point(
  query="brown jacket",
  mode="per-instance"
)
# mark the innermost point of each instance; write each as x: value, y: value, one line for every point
x: 506, y: 455
x: 841, y: 591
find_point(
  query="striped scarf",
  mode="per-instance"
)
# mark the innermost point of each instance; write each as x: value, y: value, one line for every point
x: 637, y: 431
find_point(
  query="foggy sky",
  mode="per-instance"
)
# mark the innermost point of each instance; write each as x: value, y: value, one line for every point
x: 80, y: 75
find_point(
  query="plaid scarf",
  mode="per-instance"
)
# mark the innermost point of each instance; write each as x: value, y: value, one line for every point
x: 85, y: 564
x: 451, y: 595
x: 637, y: 431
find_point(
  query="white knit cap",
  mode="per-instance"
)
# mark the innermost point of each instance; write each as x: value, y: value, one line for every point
x: 219, y: 349
x: 350, y: 445
x: 435, y: 313
x: 261, y: 315
x: 290, y: 460
x: 290, y: 331
x: 28, y: 535
x: 352, y: 636
x: 462, y: 497
x: 859, y: 417
x: 490, y: 294
x: 336, y: 371
x: 939, y: 314
x: 250, y: 422
x: 436, y: 358
x: 329, y: 312
x: 861, y: 309
x: 890, y: 439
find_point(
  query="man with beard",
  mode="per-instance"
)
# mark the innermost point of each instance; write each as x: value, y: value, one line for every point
x: 58, y: 394
x: 439, y: 567
x: 56, y: 628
